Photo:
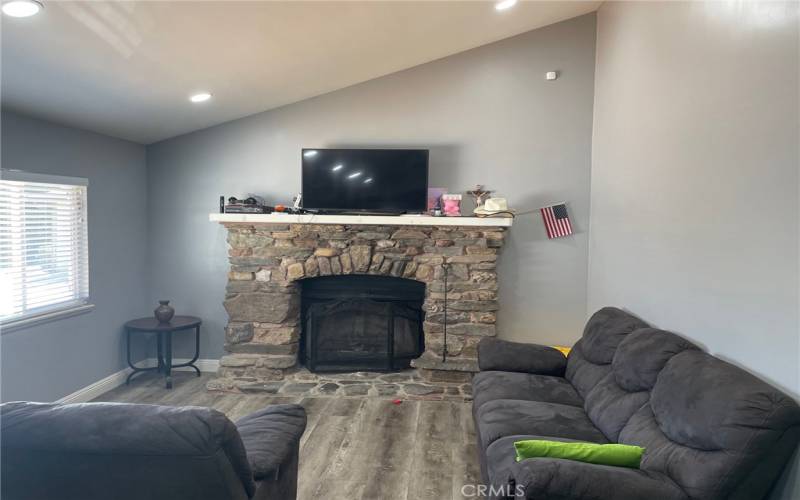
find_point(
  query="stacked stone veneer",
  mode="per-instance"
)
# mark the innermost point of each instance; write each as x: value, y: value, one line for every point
x: 263, y: 295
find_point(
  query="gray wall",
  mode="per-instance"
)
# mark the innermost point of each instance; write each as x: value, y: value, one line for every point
x: 694, y: 214
x: 488, y: 115
x: 49, y: 361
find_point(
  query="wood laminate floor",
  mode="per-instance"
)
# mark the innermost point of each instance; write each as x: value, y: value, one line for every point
x: 352, y: 449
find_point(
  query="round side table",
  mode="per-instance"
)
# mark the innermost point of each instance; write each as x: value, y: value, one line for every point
x: 164, y: 331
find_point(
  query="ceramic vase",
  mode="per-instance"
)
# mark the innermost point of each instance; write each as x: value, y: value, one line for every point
x: 164, y: 312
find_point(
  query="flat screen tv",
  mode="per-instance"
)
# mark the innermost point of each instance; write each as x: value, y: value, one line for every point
x: 365, y: 180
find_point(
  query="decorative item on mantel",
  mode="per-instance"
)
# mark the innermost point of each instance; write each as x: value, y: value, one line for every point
x: 479, y: 194
x: 452, y: 205
x: 257, y: 205
x: 437, y: 208
x: 249, y: 205
x: 495, y: 207
x: 164, y: 312
x: 434, y: 198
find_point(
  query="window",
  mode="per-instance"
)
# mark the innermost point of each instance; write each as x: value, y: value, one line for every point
x: 44, y: 251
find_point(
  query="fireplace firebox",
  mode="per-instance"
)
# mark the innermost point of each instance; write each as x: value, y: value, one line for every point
x: 361, y: 322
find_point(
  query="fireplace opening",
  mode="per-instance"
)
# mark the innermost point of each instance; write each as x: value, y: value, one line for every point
x: 352, y: 323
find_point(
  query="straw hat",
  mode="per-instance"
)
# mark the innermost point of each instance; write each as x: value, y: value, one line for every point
x: 495, y: 206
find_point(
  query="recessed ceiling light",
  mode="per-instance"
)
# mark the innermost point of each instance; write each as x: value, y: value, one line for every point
x: 505, y: 4
x: 22, y: 8
x: 353, y: 176
x: 337, y: 167
x: 368, y: 180
x: 200, y: 97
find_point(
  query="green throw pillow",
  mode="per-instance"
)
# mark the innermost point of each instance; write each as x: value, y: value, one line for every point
x: 620, y: 455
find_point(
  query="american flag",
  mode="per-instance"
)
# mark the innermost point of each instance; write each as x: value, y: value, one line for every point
x: 556, y: 221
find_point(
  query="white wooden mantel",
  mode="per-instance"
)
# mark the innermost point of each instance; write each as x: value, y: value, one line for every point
x: 366, y: 220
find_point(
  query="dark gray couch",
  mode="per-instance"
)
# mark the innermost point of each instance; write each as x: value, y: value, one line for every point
x: 102, y: 451
x: 710, y: 429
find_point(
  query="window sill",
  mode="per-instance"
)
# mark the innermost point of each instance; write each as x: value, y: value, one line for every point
x: 22, y: 323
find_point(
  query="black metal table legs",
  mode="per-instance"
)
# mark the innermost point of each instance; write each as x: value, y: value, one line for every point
x: 135, y: 368
x: 168, y: 359
x: 164, y: 362
x: 196, y: 352
x: 160, y: 360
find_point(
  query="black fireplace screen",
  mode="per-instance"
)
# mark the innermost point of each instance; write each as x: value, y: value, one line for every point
x: 361, y: 323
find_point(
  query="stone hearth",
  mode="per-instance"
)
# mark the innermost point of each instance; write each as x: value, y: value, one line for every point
x: 263, y: 295
x: 403, y: 385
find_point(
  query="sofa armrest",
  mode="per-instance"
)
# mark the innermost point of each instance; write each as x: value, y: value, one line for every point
x: 270, y: 436
x: 556, y: 478
x: 502, y: 355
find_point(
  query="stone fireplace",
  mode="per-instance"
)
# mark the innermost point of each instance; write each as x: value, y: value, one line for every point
x: 272, y: 262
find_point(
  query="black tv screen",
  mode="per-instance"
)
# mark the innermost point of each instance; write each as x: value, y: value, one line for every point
x: 365, y: 180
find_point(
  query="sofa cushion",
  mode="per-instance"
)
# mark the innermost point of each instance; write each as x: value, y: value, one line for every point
x: 590, y: 359
x: 501, y: 455
x: 610, y: 407
x: 557, y: 479
x: 642, y: 355
x: 270, y: 436
x: 508, y: 417
x: 639, y: 358
x: 604, y: 331
x: 582, y: 374
x: 706, y: 403
x: 709, y: 424
x: 489, y: 386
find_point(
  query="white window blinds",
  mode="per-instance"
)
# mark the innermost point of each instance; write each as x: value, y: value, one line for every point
x: 44, y: 250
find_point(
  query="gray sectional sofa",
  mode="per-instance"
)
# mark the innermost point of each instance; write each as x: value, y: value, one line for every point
x: 710, y: 430
x: 104, y: 451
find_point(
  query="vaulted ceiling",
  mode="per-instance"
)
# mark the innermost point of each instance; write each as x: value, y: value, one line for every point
x: 126, y: 69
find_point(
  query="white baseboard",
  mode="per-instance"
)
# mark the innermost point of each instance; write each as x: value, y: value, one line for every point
x: 116, y: 379
x: 205, y: 365
x: 94, y: 390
